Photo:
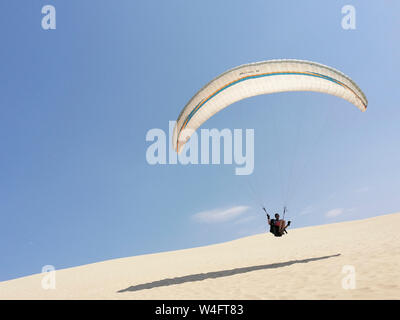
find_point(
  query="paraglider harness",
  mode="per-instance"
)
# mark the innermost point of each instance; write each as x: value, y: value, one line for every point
x: 274, y: 228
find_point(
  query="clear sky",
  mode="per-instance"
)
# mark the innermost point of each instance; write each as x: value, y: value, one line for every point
x: 76, y: 104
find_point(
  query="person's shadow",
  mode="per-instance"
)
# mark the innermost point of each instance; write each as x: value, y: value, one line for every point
x: 218, y: 274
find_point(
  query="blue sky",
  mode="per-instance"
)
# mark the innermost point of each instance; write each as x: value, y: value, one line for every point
x: 76, y: 104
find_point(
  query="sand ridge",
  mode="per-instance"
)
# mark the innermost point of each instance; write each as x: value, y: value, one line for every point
x: 308, y: 263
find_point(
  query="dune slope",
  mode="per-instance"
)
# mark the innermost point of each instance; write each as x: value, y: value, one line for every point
x: 349, y: 260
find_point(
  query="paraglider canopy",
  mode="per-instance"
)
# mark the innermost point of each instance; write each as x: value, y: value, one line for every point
x: 262, y: 78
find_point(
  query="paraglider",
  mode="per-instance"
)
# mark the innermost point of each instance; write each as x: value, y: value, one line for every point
x: 258, y: 78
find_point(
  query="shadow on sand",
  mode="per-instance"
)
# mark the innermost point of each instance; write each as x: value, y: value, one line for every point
x: 218, y: 274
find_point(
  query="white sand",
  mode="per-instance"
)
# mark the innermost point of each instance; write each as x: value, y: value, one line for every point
x: 305, y: 264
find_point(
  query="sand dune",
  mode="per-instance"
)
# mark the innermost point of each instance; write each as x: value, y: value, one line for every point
x: 308, y: 263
